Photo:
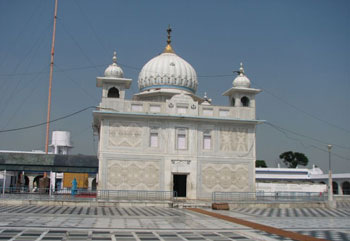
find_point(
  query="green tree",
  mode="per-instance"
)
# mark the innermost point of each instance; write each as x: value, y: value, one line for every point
x: 293, y: 159
x: 260, y: 163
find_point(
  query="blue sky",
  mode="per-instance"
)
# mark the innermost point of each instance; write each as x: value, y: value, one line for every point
x: 297, y: 52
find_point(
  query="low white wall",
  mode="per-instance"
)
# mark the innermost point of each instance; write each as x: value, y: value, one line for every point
x: 290, y: 187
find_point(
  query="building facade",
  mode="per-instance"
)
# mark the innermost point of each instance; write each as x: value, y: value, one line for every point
x: 169, y: 139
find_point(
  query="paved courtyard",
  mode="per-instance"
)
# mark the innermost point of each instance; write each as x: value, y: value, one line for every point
x: 151, y: 223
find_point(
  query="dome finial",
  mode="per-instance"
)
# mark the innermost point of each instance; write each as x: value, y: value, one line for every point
x: 169, y: 36
x: 113, y: 70
x: 241, y: 81
x: 115, y: 57
x: 241, y: 69
x: 168, y: 48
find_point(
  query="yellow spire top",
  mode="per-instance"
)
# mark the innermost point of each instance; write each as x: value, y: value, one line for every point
x: 168, y: 48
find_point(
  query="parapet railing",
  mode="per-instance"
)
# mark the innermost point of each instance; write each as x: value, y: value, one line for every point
x: 267, y: 197
x: 86, y: 195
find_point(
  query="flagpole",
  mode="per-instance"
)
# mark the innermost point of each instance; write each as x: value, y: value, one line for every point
x: 50, y: 80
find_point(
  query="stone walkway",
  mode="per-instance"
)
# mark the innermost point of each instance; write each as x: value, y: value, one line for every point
x: 150, y: 223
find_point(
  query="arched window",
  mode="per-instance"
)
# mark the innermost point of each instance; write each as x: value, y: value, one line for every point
x: 233, y: 101
x: 346, y: 188
x: 113, y: 93
x: 245, y: 101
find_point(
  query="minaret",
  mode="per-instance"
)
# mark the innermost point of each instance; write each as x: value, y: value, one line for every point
x: 113, y: 83
x: 241, y: 94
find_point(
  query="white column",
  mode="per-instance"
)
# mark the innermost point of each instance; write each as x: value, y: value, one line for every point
x: 31, y: 180
x: 340, y: 189
x: 4, y: 183
x: 90, y: 179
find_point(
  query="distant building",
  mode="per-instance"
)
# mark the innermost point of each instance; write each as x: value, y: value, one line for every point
x: 29, y: 167
x: 300, y: 180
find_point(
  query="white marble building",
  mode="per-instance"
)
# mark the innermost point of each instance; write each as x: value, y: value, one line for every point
x: 169, y: 139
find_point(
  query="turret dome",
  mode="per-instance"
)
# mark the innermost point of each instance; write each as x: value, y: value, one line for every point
x: 241, y: 80
x: 168, y: 71
x: 113, y: 70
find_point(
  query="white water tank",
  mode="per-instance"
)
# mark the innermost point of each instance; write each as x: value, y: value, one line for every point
x: 61, y: 142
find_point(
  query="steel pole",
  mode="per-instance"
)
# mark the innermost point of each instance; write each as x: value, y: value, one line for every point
x: 330, y: 181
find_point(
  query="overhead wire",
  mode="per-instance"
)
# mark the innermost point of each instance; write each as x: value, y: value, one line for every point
x: 61, y: 70
x: 303, y: 111
x: 305, y: 136
x: 20, y: 80
x: 29, y: 93
x: 27, y: 53
x: 77, y: 44
x: 87, y: 20
x: 51, y: 121
x: 35, y: 11
x: 77, y: 83
x: 283, y: 131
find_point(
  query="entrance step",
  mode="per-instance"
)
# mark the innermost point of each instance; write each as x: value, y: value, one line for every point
x: 191, y: 204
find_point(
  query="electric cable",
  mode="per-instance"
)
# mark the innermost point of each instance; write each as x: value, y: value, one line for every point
x: 36, y: 10
x: 17, y: 84
x: 78, y: 45
x: 51, y: 121
x: 87, y: 20
x: 305, y: 136
x: 21, y: 104
x: 78, y: 84
x: 309, y: 145
x: 302, y: 111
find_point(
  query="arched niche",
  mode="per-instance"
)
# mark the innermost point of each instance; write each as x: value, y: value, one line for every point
x: 245, y: 101
x: 113, y: 93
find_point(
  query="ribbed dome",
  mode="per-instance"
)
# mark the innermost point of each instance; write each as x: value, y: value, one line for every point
x: 114, y: 70
x: 241, y: 80
x: 168, y: 70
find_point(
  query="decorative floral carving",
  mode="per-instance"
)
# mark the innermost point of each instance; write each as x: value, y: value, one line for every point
x: 125, y: 134
x: 234, y: 139
x: 133, y: 175
x: 225, y: 177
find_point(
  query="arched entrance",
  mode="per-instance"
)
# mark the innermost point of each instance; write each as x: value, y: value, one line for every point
x: 26, y: 183
x: 335, y: 188
x: 346, y: 188
x: 36, y: 181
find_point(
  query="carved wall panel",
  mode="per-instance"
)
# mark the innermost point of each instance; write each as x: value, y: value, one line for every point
x: 133, y: 175
x: 125, y: 134
x: 234, y: 139
x: 225, y: 177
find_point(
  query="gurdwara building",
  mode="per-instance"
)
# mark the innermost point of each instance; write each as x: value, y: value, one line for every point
x: 169, y: 139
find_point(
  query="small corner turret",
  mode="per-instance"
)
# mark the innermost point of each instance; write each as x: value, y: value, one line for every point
x: 113, y: 83
x: 241, y: 94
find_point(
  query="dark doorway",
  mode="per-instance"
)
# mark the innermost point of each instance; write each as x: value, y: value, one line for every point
x: 180, y: 185
x: 93, y: 185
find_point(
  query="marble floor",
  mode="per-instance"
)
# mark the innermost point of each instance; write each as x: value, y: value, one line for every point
x: 151, y: 223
